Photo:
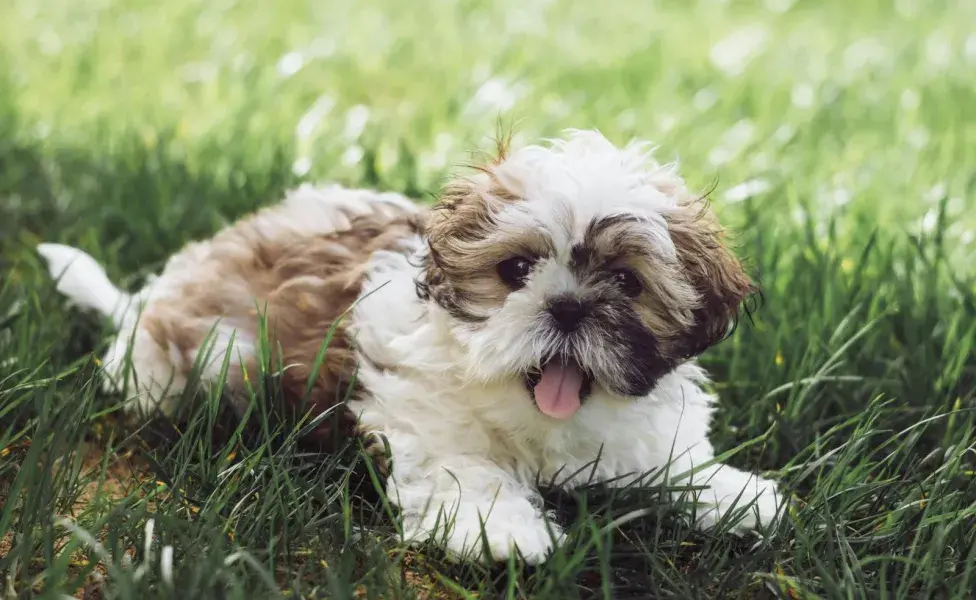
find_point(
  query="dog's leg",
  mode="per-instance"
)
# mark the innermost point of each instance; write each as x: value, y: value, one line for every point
x: 744, y: 501
x: 451, y: 500
x: 139, y: 367
x: 728, y: 496
x: 154, y: 360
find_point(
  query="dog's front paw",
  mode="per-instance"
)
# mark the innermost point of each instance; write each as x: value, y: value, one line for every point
x: 533, y: 540
x: 504, y: 536
x: 740, y: 504
x: 136, y: 367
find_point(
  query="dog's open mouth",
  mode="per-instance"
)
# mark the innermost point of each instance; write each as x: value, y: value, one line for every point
x: 559, y: 387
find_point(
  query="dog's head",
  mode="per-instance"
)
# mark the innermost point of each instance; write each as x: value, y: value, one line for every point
x: 577, y: 266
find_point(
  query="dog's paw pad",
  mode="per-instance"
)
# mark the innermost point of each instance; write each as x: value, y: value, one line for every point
x: 377, y: 449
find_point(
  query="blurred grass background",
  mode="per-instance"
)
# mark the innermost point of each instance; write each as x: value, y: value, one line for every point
x: 839, y: 137
x: 874, y: 98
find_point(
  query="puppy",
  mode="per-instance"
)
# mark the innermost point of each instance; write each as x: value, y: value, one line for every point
x: 545, y: 314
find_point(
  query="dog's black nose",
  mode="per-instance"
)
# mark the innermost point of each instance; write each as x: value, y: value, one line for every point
x: 568, y: 313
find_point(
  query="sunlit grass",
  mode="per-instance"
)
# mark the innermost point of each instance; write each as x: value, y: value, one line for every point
x: 839, y: 137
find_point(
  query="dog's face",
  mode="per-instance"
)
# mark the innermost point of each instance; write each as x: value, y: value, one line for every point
x: 580, y: 266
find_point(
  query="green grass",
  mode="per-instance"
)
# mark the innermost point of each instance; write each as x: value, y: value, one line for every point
x: 129, y: 128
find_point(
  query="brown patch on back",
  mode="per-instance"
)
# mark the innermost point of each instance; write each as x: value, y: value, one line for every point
x: 319, y: 283
x: 303, y: 285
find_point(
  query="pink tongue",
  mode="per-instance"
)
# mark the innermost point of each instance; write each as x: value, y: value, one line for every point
x: 558, y: 392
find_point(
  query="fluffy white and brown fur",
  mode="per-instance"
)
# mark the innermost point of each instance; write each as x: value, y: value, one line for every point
x: 545, y: 313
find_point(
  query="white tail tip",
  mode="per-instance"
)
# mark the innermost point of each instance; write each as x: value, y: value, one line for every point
x: 84, y: 282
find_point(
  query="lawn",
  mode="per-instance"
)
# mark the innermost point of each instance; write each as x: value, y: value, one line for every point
x: 838, y: 139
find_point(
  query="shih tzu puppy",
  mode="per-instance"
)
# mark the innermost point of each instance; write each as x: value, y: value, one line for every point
x: 539, y: 323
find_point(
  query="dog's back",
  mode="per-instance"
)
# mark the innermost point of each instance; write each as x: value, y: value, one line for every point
x: 297, y: 267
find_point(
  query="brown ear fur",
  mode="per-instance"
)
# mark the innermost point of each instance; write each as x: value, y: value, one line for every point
x: 713, y: 270
x: 462, y: 217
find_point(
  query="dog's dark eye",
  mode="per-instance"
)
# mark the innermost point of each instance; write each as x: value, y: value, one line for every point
x: 514, y: 271
x: 628, y: 282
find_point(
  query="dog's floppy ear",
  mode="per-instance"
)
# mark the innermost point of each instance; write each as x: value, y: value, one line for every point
x: 713, y: 270
x: 462, y: 217
x: 456, y: 206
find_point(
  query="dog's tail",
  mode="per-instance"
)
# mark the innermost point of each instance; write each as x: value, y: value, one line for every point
x: 85, y: 283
